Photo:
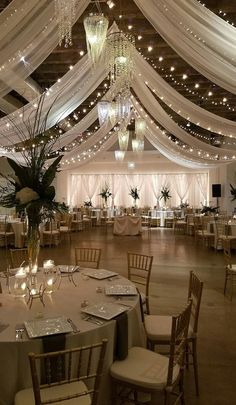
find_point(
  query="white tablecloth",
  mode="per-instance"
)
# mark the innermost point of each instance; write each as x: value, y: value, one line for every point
x: 14, y: 365
x: 127, y: 225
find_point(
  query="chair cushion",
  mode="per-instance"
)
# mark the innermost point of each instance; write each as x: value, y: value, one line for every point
x: 26, y: 396
x: 158, y: 327
x: 232, y: 267
x: 144, y: 368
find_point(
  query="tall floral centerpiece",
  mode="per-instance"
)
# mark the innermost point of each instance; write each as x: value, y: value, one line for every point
x: 105, y: 193
x: 165, y: 194
x: 134, y: 194
x: 29, y: 186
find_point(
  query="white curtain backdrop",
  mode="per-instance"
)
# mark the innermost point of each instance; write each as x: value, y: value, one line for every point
x: 184, y: 186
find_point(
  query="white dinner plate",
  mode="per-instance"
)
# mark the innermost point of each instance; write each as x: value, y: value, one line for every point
x: 105, y: 310
x: 100, y: 274
x: 45, y: 327
x: 120, y: 290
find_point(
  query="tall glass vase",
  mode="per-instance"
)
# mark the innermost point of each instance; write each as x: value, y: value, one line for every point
x: 33, y: 241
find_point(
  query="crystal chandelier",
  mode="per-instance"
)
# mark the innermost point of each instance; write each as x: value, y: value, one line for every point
x: 140, y: 127
x: 65, y: 18
x: 119, y: 155
x: 119, y: 57
x: 123, y: 105
x: 104, y: 107
x: 123, y: 139
x: 95, y: 26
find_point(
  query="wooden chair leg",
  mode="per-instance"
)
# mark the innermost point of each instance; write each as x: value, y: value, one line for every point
x: 226, y: 279
x: 195, y: 364
x: 187, y: 356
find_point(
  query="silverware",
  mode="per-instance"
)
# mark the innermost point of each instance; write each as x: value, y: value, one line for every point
x: 19, y: 333
x: 73, y: 325
x: 90, y: 318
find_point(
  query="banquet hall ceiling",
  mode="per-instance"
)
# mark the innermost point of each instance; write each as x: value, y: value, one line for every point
x: 166, y: 61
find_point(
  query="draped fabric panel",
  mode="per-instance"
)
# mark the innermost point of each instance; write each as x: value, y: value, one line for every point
x: 202, y: 183
x: 158, y: 113
x: 184, y: 107
x: 32, y: 33
x: 84, y: 186
x: 183, y: 183
x: 208, y: 58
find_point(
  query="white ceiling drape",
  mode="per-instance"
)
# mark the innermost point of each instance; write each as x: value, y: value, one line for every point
x: 158, y: 113
x: 208, y: 58
x: 32, y: 33
x: 180, y: 104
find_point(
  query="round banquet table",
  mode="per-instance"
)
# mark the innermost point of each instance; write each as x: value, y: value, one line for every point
x: 65, y: 301
x: 127, y: 225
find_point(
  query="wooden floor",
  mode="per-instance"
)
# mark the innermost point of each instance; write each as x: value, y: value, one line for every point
x: 174, y: 257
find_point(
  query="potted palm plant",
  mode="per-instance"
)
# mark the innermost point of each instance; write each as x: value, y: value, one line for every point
x: 165, y: 195
x: 105, y: 194
x: 134, y: 194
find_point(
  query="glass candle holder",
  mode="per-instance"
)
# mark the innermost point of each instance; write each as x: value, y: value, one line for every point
x: 20, y: 283
x: 50, y: 276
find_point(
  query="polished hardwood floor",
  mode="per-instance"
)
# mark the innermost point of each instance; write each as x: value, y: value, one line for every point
x: 174, y: 257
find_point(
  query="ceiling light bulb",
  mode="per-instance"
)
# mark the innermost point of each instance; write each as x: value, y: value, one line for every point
x: 130, y: 27
x: 185, y: 76
x: 160, y: 58
x: 172, y: 68
x: 224, y: 99
x: 81, y: 53
x: 210, y: 93
x: 196, y: 86
x: 150, y: 48
x: 139, y: 37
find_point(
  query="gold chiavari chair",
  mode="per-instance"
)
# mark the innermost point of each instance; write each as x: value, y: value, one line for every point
x: 146, y: 372
x: 70, y: 376
x: 88, y: 257
x: 139, y: 272
x: 230, y: 269
x: 158, y: 327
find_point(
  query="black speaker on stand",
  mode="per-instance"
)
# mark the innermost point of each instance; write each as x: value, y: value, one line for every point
x: 216, y: 192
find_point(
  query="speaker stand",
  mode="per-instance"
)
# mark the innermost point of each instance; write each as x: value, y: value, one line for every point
x: 217, y: 204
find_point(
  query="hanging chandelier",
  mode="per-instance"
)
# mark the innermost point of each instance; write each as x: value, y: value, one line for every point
x: 119, y: 155
x: 123, y: 105
x: 119, y: 58
x: 123, y: 139
x: 140, y: 128
x: 95, y: 26
x: 65, y: 18
x: 104, y: 107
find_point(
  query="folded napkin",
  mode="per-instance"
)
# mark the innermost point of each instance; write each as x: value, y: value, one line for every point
x: 54, y: 343
x: 121, y: 345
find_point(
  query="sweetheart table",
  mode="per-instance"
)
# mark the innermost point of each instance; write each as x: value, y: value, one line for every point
x: 68, y: 301
x: 127, y: 225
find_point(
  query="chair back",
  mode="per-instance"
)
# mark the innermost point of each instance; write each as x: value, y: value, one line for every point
x: 18, y: 256
x: 179, y: 332
x: 227, y: 253
x: 88, y: 257
x: 195, y: 294
x: 139, y: 269
x: 76, y: 374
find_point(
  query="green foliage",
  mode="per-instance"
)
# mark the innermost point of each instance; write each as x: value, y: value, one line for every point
x: 88, y: 203
x: 105, y: 193
x: 233, y: 192
x: 208, y: 209
x: 30, y: 186
x: 165, y: 194
x: 134, y: 193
